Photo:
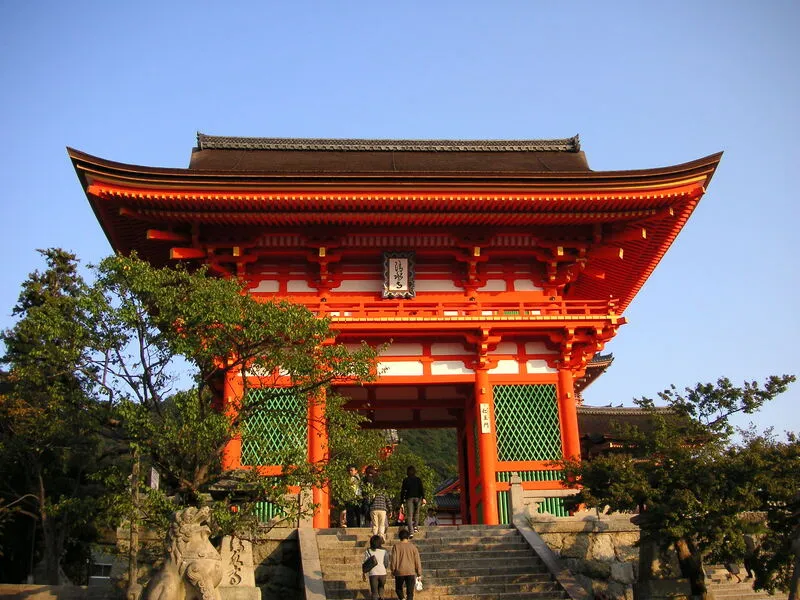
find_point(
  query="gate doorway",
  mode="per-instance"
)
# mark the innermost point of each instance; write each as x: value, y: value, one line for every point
x: 430, y: 420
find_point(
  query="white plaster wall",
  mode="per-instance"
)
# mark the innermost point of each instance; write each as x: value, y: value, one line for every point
x: 539, y: 366
x: 447, y: 349
x: 360, y: 285
x: 400, y: 368
x: 505, y: 348
x: 299, y: 285
x: 449, y: 367
x: 525, y: 285
x: 537, y: 348
x: 266, y: 285
x: 436, y: 285
x: 494, y: 285
x: 506, y: 367
x: 403, y: 350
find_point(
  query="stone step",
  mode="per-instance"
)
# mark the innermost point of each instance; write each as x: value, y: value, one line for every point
x: 454, y: 564
x: 431, y: 531
x: 742, y: 591
x: 496, y: 579
x: 350, y: 555
x: 455, y: 561
x: 725, y: 587
x: 434, y: 586
x: 426, y: 594
x: 353, y: 572
x: 459, y: 563
x: 458, y: 544
x: 519, y: 552
x: 421, y: 539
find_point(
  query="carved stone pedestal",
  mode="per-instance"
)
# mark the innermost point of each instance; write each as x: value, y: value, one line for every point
x: 238, y: 579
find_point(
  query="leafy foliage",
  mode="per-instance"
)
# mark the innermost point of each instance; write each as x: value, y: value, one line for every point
x: 393, y: 471
x: 689, y: 484
x: 101, y: 369
x: 350, y: 446
x: 438, y: 448
x: 775, y: 466
x: 48, y: 434
x: 146, y: 319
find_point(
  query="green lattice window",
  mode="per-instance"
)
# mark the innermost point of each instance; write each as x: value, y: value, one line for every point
x: 276, y: 431
x: 266, y: 511
x: 526, y: 418
x: 551, y: 506
x: 503, y: 508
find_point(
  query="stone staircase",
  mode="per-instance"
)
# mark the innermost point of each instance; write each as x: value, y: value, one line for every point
x: 725, y: 588
x: 465, y: 562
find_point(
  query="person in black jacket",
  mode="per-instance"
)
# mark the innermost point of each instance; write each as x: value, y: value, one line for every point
x: 412, y: 496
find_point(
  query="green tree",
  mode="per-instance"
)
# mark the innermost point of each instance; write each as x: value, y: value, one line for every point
x: 49, y: 443
x: 775, y: 469
x: 141, y: 355
x: 153, y: 324
x: 438, y: 446
x: 393, y: 469
x: 684, y: 477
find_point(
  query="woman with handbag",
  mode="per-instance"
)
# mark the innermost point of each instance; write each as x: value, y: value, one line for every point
x: 376, y: 562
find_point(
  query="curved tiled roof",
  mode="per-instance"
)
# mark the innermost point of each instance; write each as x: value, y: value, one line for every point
x: 594, y: 368
x: 553, y: 192
x: 360, y: 156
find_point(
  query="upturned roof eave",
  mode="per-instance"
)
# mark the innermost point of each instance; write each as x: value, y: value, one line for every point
x: 89, y: 166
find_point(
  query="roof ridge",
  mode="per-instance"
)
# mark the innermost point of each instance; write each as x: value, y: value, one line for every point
x: 211, y: 142
x: 622, y: 410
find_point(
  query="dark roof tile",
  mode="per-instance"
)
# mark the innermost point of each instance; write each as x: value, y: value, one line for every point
x: 210, y: 142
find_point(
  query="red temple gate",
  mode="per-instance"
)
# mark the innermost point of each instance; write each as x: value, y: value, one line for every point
x: 497, y: 269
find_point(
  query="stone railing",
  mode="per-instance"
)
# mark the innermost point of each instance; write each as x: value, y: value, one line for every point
x: 596, y: 552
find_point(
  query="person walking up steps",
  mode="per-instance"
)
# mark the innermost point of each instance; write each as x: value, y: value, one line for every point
x: 380, y: 506
x: 406, y: 566
x: 353, y: 515
x: 412, y: 496
x: 377, y: 575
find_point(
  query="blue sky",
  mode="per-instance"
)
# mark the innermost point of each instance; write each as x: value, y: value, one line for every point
x: 644, y: 84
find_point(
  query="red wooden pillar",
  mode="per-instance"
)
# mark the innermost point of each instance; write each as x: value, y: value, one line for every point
x: 487, y: 445
x: 318, y: 454
x: 568, y: 415
x: 232, y: 396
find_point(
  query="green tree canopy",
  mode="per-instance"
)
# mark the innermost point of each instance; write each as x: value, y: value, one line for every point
x: 49, y: 443
x: 140, y: 355
x: 148, y: 321
x: 688, y: 482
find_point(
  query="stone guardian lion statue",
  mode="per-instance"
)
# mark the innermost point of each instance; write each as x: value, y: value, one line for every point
x: 192, y: 566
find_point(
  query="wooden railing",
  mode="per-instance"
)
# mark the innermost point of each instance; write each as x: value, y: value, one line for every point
x: 404, y: 309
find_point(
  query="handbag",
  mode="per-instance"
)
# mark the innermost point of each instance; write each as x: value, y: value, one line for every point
x: 369, y: 564
x: 418, y: 585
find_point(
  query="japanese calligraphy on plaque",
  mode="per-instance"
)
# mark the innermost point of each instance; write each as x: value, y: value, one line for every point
x: 398, y: 275
x: 486, y: 423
